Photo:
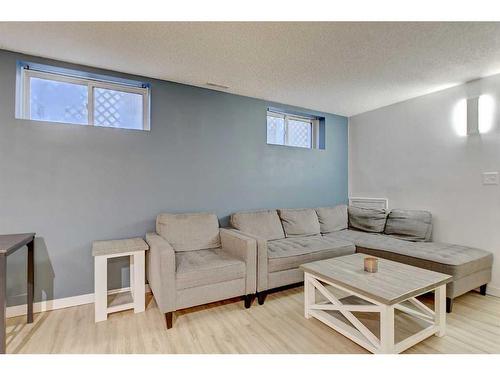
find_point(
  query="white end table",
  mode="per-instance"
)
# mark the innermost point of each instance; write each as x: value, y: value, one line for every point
x: 135, y: 248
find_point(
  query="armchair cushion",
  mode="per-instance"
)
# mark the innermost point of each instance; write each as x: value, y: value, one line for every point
x: 332, y: 219
x: 367, y: 219
x: 186, y: 232
x: 265, y: 224
x: 205, y: 267
x: 409, y: 225
x: 299, y: 222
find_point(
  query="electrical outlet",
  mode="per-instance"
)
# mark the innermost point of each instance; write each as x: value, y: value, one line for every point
x: 490, y: 178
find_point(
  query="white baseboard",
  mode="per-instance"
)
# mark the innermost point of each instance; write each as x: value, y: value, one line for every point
x: 493, y: 291
x: 54, y: 304
x: 61, y: 303
x: 85, y: 299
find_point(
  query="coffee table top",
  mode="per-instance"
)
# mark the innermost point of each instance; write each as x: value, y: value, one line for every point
x: 393, y: 283
x: 9, y: 242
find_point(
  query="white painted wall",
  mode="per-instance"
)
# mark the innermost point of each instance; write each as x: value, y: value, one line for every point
x: 411, y: 153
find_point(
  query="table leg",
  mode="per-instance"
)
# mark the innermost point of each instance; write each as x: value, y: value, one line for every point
x: 309, y: 294
x: 31, y: 279
x: 3, y: 303
x: 387, y: 330
x: 440, y: 310
x: 138, y: 287
x: 132, y: 274
x: 101, y: 288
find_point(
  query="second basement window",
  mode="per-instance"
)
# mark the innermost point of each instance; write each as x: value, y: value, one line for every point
x: 291, y: 130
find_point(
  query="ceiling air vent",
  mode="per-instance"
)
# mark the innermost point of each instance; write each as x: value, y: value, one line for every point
x: 216, y: 85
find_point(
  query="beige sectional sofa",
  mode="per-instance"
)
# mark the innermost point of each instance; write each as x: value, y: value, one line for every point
x: 287, y: 238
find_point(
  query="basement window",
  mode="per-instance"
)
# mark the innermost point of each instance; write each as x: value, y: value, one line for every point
x: 292, y: 130
x: 47, y: 93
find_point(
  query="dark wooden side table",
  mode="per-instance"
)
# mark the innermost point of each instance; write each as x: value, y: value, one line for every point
x: 9, y: 243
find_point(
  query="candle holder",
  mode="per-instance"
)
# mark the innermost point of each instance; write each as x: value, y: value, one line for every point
x: 371, y: 264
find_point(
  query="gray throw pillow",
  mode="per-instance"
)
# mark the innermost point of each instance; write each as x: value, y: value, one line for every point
x: 299, y: 222
x: 367, y: 219
x: 411, y: 225
x: 332, y: 219
x: 263, y: 223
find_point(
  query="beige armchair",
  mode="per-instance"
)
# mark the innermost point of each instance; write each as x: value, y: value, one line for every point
x: 192, y: 262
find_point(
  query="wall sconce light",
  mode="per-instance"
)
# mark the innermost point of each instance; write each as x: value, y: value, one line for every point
x: 480, y: 114
x: 486, y: 108
x: 473, y: 115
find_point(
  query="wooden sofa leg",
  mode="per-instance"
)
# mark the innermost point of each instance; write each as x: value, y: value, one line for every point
x: 261, y: 297
x: 449, y: 304
x: 168, y: 319
x: 482, y: 289
x: 248, y: 300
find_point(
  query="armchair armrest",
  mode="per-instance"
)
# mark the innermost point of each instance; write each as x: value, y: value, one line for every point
x: 245, y: 249
x: 160, y: 265
x: 262, y: 277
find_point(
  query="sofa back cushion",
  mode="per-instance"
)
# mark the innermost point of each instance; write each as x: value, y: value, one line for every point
x: 264, y: 223
x: 367, y: 219
x: 332, y: 219
x: 299, y: 222
x: 409, y: 225
x: 186, y: 232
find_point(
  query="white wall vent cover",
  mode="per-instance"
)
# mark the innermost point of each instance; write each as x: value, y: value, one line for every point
x: 380, y: 203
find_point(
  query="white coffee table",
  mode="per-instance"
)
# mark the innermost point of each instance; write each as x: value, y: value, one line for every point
x: 394, y: 286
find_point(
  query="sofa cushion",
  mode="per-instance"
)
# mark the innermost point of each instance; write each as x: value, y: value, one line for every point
x: 290, y: 253
x: 299, y: 222
x: 205, y: 267
x: 186, y: 232
x: 367, y: 219
x: 354, y: 236
x: 265, y: 224
x: 455, y: 260
x: 409, y: 225
x: 332, y: 219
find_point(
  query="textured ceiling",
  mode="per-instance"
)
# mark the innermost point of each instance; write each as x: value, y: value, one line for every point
x: 344, y: 68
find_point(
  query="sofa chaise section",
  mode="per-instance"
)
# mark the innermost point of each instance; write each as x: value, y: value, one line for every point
x: 409, y: 243
x: 192, y: 262
x: 470, y: 267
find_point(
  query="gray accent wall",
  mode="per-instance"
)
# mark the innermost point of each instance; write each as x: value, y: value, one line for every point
x: 206, y: 151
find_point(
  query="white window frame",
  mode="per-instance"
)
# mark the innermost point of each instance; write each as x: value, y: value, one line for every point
x: 314, y: 144
x: 91, y: 84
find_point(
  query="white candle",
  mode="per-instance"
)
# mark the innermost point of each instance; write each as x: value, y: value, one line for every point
x: 371, y: 264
